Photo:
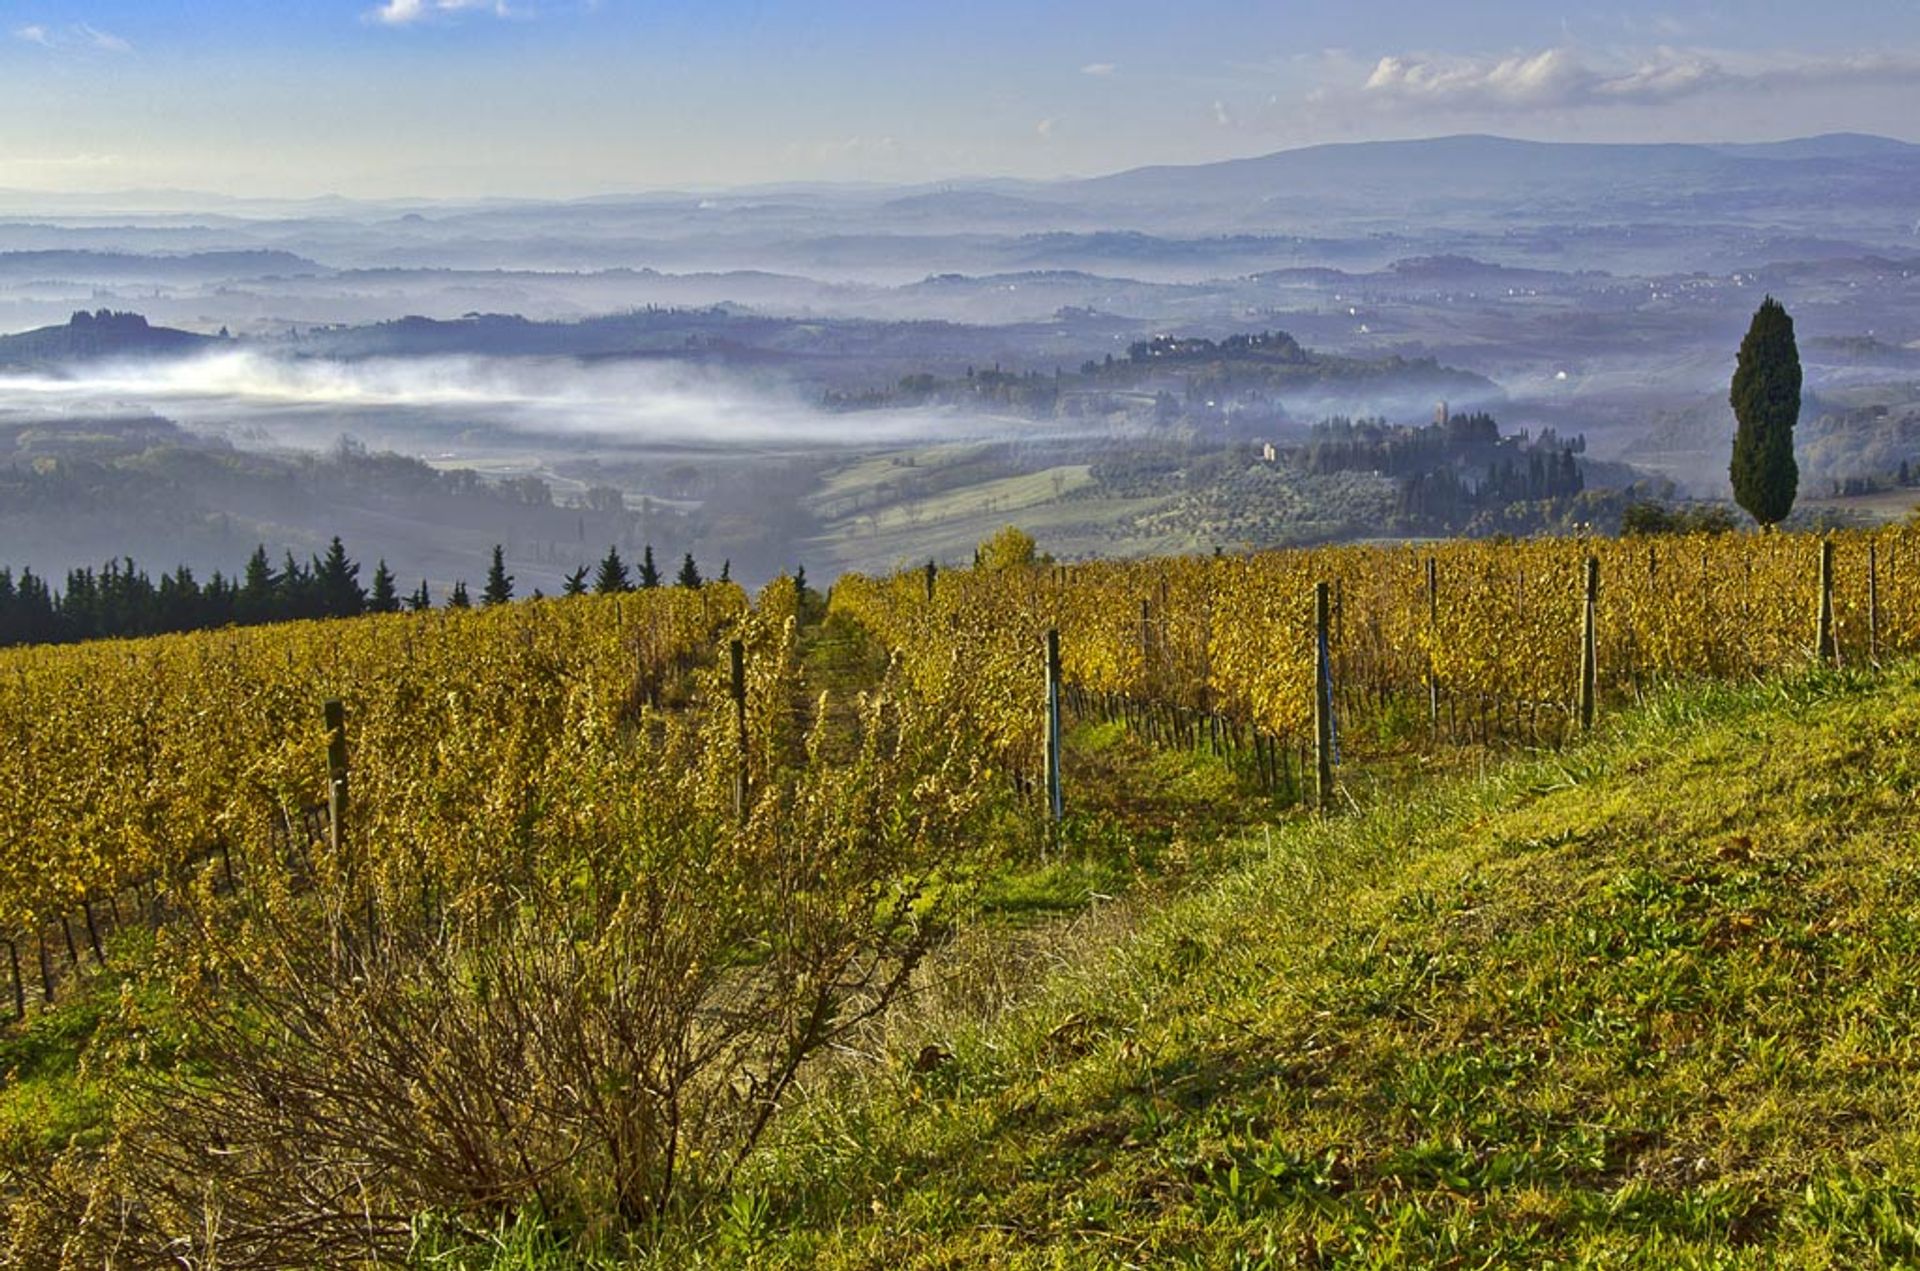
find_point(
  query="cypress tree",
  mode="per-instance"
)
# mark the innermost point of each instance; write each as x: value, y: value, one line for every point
x: 689, y: 572
x: 420, y: 600
x: 458, y: 600
x: 612, y: 577
x: 499, y: 588
x: 649, y: 573
x: 1766, y: 402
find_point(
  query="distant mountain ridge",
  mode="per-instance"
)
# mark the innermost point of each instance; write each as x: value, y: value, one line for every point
x: 1468, y: 165
x: 88, y: 265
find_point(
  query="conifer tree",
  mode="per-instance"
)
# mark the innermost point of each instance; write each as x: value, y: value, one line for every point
x: 297, y: 592
x: 689, y: 572
x: 420, y: 600
x: 338, y: 581
x: 256, y: 600
x: 649, y: 573
x: 1766, y: 404
x: 576, y: 584
x: 458, y: 600
x: 612, y: 578
x: 384, y: 599
x: 499, y: 588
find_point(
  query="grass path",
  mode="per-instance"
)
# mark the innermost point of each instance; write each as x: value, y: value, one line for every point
x: 1655, y: 1002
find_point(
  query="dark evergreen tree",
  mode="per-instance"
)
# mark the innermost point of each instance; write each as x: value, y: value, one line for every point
x: 612, y: 577
x: 338, y: 579
x: 649, y: 573
x: 384, y: 599
x: 458, y: 600
x: 726, y: 570
x: 499, y: 588
x: 217, y: 601
x: 689, y: 572
x: 1766, y: 404
x: 257, y: 599
x: 297, y: 594
x: 176, y: 603
x: 576, y: 584
x: 421, y: 599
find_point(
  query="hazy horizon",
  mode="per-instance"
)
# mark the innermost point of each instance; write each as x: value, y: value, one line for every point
x: 76, y: 197
x: 461, y: 99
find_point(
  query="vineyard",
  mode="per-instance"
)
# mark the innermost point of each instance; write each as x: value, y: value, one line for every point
x: 644, y: 839
x: 1461, y: 642
x: 127, y: 759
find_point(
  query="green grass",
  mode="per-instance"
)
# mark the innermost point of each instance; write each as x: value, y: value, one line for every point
x: 1653, y: 1002
x: 45, y: 1098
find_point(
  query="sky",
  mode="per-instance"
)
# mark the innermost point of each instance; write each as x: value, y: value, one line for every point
x: 563, y: 98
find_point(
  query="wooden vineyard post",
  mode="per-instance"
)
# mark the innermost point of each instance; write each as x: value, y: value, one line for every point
x: 1588, y: 650
x: 933, y: 572
x: 336, y: 716
x: 1824, y: 647
x: 1055, y: 803
x: 1873, y: 604
x: 1433, y: 634
x: 1146, y: 641
x: 93, y: 932
x: 19, y: 985
x: 1322, y: 700
x: 737, y: 689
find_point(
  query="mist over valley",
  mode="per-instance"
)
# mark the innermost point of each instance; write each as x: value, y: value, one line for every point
x: 894, y: 372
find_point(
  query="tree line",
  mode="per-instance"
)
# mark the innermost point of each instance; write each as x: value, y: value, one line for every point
x: 121, y: 600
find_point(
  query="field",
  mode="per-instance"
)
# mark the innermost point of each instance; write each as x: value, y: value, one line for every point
x: 679, y: 927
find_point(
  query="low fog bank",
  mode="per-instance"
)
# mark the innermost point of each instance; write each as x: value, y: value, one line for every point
x: 442, y: 404
x: 427, y: 462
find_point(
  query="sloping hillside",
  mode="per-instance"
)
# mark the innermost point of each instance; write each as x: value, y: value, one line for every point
x: 89, y: 336
x: 1648, y: 1003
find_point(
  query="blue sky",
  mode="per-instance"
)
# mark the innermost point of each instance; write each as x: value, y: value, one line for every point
x: 567, y: 97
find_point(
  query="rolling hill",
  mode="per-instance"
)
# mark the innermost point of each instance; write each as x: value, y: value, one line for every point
x: 98, y: 336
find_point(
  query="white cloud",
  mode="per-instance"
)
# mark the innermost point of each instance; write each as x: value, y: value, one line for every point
x: 1044, y: 127
x: 106, y: 41
x: 407, y: 12
x: 1221, y: 115
x: 1098, y: 68
x: 77, y: 36
x: 1566, y: 78
x: 83, y: 160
